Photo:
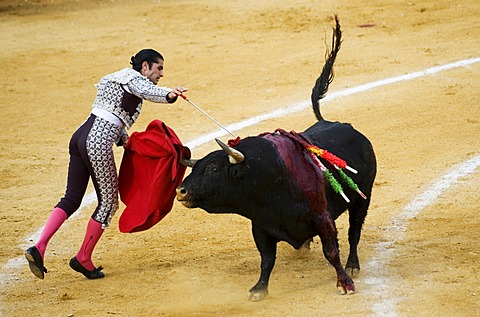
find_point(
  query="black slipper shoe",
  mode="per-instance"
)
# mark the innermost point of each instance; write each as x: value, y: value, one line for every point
x: 35, y: 262
x: 93, y: 274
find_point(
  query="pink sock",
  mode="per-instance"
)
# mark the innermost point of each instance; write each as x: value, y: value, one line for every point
x: 93, y: 234
x: 55, y: 221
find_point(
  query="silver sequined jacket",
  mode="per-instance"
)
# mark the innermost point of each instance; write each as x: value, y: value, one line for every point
x: 122, y: 94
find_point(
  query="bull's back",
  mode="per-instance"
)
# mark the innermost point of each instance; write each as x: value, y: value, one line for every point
x: 342, y: 140
x: 352, y: 146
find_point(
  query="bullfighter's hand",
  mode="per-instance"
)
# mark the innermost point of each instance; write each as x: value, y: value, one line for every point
x: 177, y: 91
x: 124, y: 140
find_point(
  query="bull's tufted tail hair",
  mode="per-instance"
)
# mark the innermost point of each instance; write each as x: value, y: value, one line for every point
x: 327, y: 75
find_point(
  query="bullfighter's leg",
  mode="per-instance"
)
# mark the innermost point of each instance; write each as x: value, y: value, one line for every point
x: 267, y: 246
x: 357, y: 214
x: 328, y: 235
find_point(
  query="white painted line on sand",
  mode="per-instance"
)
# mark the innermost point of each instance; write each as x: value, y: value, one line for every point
x: 377, y: 266
x: 331, y: 96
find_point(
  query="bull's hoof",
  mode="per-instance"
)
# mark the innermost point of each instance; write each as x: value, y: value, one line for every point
x: 352, y: 271
x: 256, y: 296
x: 348, y: 290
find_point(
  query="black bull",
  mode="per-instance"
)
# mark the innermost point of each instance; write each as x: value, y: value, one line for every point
x: 273, y: 181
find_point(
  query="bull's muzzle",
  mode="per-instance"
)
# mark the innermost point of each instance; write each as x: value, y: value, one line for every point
x: 181, y: 193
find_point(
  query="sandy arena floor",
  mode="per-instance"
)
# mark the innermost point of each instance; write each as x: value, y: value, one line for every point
x: 241, y: 59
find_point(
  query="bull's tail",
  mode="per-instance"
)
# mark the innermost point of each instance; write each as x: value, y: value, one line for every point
x: 326, y: 77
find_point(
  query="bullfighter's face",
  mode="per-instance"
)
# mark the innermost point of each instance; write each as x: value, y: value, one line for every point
x: 154, y: 72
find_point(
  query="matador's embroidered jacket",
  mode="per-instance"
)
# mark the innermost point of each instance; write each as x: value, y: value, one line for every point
x: 122, y: 94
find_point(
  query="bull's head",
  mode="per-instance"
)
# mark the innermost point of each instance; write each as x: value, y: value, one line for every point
x: 211, y: 178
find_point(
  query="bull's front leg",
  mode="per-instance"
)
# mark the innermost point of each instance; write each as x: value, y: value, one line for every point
x: 328, y: 235
x: 267, y: 246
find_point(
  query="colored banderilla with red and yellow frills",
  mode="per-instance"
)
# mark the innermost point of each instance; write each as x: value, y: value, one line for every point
x: 337, y: 162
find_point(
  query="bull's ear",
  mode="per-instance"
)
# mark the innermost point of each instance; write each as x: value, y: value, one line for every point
x: 237, y: 171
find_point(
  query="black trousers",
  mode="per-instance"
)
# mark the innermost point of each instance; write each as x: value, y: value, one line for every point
x: 91, y: 155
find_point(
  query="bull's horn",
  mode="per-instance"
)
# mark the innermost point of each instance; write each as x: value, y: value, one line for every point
x: 234, y: 156
x: 188, y: 162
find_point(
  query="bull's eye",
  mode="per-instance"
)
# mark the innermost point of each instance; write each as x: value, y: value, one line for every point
x: 212, y: 168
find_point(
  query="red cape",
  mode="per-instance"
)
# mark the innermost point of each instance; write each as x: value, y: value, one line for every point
x: 149, y: 174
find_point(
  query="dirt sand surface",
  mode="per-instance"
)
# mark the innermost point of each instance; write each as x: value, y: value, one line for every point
x: 241, y: 59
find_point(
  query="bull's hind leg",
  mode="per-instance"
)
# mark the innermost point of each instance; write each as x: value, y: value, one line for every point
x: 357, y: 213
x: 328, y: 236
x: 267, y: 246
